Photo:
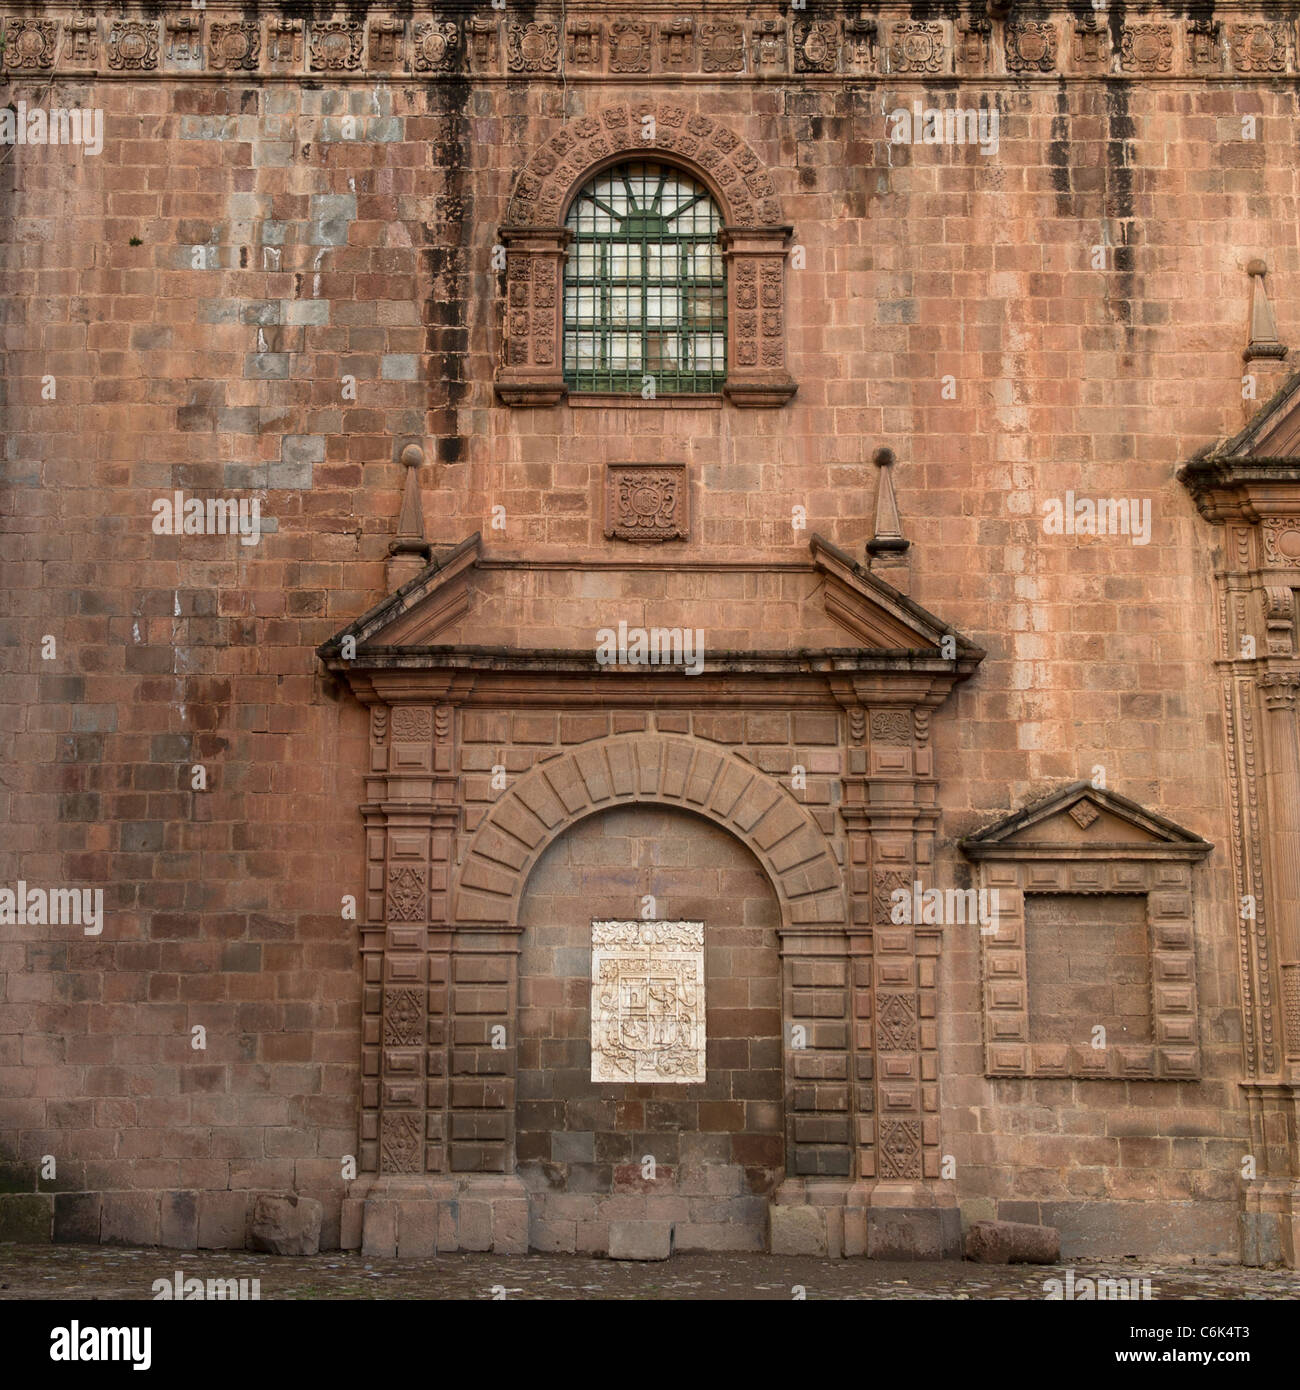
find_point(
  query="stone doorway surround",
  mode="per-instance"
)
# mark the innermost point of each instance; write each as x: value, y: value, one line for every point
x: 449, y: 851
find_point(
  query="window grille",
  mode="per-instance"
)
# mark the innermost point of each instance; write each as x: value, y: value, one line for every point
x: 645, y: 288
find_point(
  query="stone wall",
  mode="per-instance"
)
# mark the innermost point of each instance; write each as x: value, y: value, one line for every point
x: 245, y: 296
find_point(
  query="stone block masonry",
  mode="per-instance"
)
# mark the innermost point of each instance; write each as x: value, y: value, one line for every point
x: 346, y: 898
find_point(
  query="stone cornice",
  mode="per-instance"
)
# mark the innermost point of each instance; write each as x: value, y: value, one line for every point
x: 623, y: 41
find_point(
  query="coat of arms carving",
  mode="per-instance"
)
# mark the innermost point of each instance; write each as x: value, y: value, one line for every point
x: 647, y: 1002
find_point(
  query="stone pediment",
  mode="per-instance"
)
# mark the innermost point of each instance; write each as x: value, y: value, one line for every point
x: 1256, y: 473
x: 471, y: 603
x: 1082, y: 821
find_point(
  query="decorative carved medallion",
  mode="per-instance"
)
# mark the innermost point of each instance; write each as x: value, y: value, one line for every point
x: 646, y: 503
x: 900, y: 1148
x: 1147, y: 48
x: 412, y: 724
x: 1282, y: 540
x: 533, y: 47
x: 890, y: 726
x: 406, y: 893
x: 336, y: 46
x: 722, y: 44
x: 1083, y: 813
x: 404, y: 1018
x: 400, y: 1141
x: 816, y: 46
x: 647, y: 1002
x: 234, y: 47
x: 132, y: 46
x: 435, y: 47
x: 916, y: 47
x: 885, y: 882
x: 896, y: 1022
x: 1258, y: 47
x: 29, y: 44
x: 1031, y: 46
x: 629, y: 46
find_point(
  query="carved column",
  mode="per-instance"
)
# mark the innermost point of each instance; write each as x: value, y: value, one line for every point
x: 1282, y: 789
x: 533, y: 370
x: 756, y: 349
x: 890, y: 813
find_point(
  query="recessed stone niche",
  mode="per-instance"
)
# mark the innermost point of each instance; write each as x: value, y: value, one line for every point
x: 647, y: 1002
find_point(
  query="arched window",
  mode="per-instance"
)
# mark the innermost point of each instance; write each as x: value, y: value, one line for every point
x: 645, y: 289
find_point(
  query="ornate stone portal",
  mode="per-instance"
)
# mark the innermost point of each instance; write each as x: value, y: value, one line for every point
x: 647, y: 1002
x: 817, y: 760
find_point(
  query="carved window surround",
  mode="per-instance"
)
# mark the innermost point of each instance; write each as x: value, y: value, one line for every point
x: 1051, y: 849
x: 755, y: 241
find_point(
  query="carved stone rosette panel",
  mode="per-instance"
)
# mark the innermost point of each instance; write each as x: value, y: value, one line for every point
x: 647, y: 503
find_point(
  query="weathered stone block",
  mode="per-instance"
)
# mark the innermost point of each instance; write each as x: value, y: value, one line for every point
x: 130, y: 1218
x: 797, y: 1231
x: 640, y: 1240
x: 76, y: 1218
x: 286, y: 1225
x: 1013, y: 1242
x: 179, y: 1220
x: 223, y: 1220
x: 26, y: 1217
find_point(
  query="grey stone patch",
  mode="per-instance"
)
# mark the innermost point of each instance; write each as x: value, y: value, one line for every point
x: 239, y: 419
x: 1013, y: 1242
x: 281, y: 101
x: 285, y: 476
x: 306, y: 311
x: 220, y: 310
x: 262, y: 312
x: 330, y: 215
x: 273, y: 233
x: 266, y: 366
x: 94, y: 719
x: 897, y: 311
x: 640, y: 1240
x: 272, y: 154
x: 398, y: 366
x: 251, y: 476
x: 208, y: 127
x: 246, y: 207
x: 302, y: 448
x: 575, y: 1146
x: 386, y: 129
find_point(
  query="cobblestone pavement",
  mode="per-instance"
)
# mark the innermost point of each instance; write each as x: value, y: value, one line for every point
x: 101, y: 1272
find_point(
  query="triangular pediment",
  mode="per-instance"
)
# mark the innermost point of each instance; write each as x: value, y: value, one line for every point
x: 825, y: 605
x: 1081, y: 820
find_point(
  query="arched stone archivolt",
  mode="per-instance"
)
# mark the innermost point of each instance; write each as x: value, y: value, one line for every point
x: 754, y: 241
x: 662, y: 769
x: 647, y: 129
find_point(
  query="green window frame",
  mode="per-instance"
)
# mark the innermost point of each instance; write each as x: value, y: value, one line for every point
x: 645, y: 285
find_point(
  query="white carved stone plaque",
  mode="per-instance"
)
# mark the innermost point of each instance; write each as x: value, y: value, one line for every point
x: 647, y: 1001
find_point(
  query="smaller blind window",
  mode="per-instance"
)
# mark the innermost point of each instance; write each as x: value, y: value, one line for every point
x: 645, y: 290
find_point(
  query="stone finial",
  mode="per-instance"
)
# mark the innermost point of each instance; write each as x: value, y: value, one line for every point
x: 888, y: 537
x: 1263, y: 323
x: 408, y: 551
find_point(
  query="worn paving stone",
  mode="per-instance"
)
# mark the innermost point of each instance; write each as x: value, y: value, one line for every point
x: 98, y: 1272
